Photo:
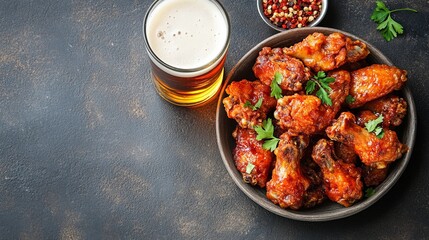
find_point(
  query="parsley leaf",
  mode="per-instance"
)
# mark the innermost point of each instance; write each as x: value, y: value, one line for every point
x: 257, y: 105
x: 276, y: 91
x: 388, y: 27
x: 249, y: 168
x: 372, y: 126
x: 350, y: 99
x: 266, y: 132
x: 322, y: 82
x: 369, y: 192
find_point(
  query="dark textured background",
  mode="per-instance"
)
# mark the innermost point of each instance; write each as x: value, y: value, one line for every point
x: 88, y: 149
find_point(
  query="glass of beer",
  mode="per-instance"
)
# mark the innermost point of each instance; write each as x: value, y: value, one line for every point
x: 187, y: 42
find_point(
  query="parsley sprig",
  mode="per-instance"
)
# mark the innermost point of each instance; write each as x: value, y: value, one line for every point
x: 373, y: 126
x: 276, y: 91
x: 249, y: 168
x: 257, y: 105
x: 388, y: 27
x: 266, y: 132
x: 350, y: 99
x: 322, y: 81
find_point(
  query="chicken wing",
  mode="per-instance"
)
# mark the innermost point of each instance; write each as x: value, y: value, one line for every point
x: 373, y: 151
x: 306, y: 114
x: 325, y: 53
x: 342, y: 181
x: 393, y: 109
x: 273, y: 60
x: 288, y: 184
x: 373, y: 82
x: 241, y: 104
x: 251, y: 160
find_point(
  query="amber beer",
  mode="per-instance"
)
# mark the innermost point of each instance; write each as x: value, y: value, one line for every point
x: 187, y: 41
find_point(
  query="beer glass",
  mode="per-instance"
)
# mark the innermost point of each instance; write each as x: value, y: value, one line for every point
x: 187, y: 42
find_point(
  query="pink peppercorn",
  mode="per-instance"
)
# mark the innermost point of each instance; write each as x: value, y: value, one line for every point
x: 289, y: 14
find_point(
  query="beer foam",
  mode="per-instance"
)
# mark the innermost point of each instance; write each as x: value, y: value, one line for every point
x: 187, y: 34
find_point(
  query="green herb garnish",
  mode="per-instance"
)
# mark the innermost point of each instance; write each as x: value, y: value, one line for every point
x: 253, y: 107
x: 249, y: 168
x: 266, y: 132
x: 369, y: 192
x: 276, y: 91
x: 350, y: 99
x: 388, y: 27
x: 322, y: 82
x: 373, y: 126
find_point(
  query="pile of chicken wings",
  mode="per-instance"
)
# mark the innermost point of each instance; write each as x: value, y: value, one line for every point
x: 324, y: 150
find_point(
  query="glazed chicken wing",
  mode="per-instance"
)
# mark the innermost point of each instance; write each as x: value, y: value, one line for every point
x: 273, y: 60
x: 373, y: 151
x: 393, y: 109
x: 306, y: 114
x: 243, y: 96
x: 325, y: 53
x: 375, y: 81
x: 288, y: 184
x: 247, y: 151
x: 342, y: 181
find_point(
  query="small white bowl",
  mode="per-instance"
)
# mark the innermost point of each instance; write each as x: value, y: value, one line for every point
x: 315, y: 22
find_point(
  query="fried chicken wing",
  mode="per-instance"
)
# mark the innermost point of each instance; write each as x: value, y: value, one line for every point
x: 272, y: 60
x: 373, y: 151
x: 393, y: 109
x: 342, y: 181
x: 244, y: 93
x: 288, y: 184
x: 306, y: 114
x: 247, y: 151
x: 375, y: 81
x: 325, y: 53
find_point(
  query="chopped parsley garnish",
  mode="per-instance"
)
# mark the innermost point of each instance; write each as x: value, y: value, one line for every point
x: 276, y: 91
x: 388, y: 27
x: 373, y: 126
x: 266, y: 132
x: 253, y: 107
x: 249, y: 168
x: 322, y: 81
x: 369, y: 192
x: 350, y: 99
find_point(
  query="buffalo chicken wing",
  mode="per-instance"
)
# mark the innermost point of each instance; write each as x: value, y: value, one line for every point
x: 241, y: 104
x: 373, y: 82
x: 342, y: 181
x: 272, y: 60
x: 325, y: 53
x: 251, y: 160
x: 288, y: 184
x: 372, y: 150
x: 306, y: 114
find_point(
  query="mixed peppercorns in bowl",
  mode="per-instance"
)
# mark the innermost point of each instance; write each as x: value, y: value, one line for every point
x: 288, y: 14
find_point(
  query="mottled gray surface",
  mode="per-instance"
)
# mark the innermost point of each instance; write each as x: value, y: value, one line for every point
x: 88, y: 150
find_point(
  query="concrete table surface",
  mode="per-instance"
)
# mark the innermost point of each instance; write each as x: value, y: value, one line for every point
x: 88, y: 149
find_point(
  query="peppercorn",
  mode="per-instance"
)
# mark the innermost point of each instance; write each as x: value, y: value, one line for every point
x: 289, y: 14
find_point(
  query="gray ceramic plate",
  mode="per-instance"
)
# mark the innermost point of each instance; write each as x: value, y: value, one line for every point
x: 329, y: 210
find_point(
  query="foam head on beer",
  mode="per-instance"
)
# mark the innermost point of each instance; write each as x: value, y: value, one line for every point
x: 187, y: 34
